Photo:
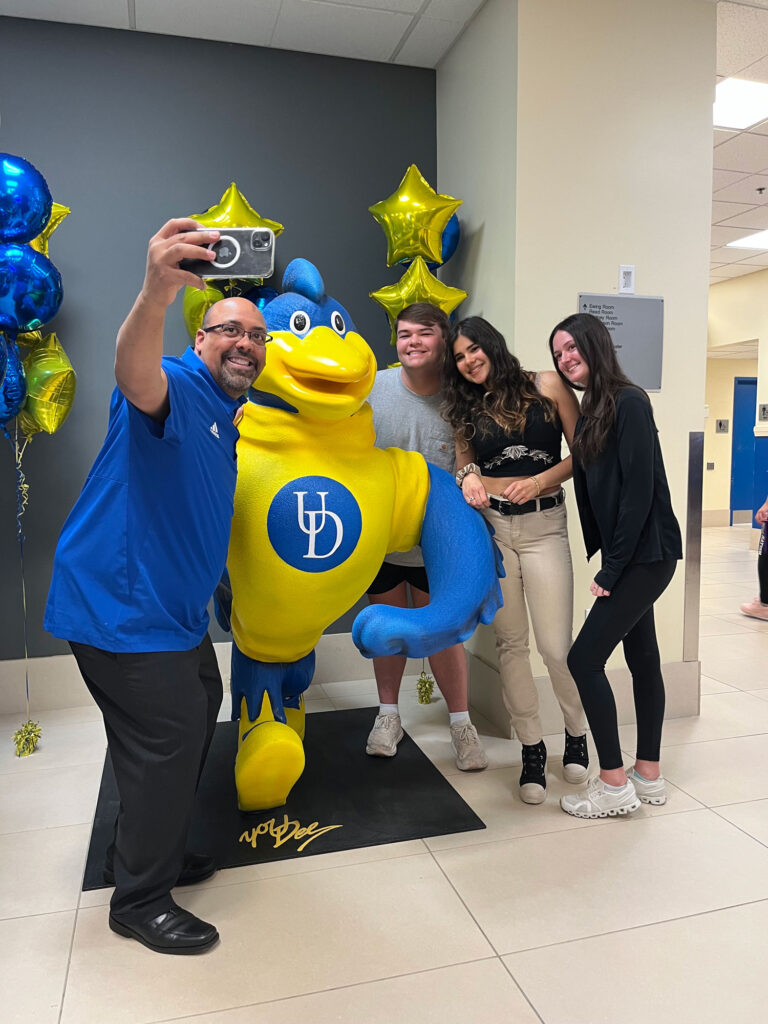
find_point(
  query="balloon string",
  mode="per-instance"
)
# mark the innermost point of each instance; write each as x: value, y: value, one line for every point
x: 22, y: 499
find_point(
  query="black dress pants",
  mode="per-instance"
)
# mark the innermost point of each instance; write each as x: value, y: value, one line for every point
x: 160, y: 712
x: 625, y: 616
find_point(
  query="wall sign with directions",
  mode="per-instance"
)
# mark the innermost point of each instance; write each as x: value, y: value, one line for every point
x: 636, y: 324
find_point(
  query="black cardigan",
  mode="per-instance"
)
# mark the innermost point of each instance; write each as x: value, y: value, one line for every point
x: 623, y: 496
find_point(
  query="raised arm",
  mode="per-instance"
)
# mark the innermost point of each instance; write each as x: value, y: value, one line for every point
x: 138, y: 367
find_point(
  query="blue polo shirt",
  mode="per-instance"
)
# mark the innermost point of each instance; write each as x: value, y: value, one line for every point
x: 146, y: 542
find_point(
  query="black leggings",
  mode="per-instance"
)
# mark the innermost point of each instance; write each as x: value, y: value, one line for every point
x: 627, y: 615
x: 762, y: 565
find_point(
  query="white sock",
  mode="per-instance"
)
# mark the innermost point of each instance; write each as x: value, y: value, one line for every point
x: 389, y: 709
x: 459, y: 717
x: 613, y: 789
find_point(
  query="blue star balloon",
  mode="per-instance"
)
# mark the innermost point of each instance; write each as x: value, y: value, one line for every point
x: 25, y: 201
x: 30, y: 288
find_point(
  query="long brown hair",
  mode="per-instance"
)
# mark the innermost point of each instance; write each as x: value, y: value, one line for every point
x: 503, y: 398
x: 606, y: 380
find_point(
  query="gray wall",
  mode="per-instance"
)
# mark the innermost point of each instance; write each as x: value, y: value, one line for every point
x: 131, y: 129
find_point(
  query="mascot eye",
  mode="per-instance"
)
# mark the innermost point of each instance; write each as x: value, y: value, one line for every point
x: 299, y: 322
x: 337, y: 322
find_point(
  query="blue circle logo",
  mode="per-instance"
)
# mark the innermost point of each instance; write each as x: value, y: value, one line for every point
x: 314, y: 523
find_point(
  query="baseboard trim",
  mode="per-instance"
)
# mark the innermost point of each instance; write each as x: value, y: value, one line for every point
x: 715, y: 517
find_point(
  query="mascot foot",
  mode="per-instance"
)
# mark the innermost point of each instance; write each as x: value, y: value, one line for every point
x: 270, y: 760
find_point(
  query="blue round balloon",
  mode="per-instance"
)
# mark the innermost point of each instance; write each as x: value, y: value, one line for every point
x: 450, y: 238
x: 25, y: 200
x: 30, y: 288
x: 13, y: 393
x: 261, y: 295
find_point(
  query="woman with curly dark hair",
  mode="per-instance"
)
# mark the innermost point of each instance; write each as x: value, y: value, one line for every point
x: 508, y: 425
x: 626, y: 514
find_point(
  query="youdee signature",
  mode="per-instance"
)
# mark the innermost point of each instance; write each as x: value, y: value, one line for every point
x: 287, y: 829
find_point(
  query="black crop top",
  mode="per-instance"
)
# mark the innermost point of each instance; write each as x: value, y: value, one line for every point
x: 509, y: 453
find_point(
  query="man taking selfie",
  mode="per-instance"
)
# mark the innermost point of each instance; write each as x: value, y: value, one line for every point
x: 136, y: 564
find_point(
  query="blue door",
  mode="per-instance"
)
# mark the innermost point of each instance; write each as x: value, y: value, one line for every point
x: 743, y: 443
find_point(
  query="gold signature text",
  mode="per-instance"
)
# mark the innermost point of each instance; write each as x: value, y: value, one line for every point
x: 287, y: 829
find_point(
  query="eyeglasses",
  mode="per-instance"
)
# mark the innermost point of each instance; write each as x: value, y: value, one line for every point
x: 234, y: 332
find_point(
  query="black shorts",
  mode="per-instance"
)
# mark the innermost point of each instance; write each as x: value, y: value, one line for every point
x: 390, y: 575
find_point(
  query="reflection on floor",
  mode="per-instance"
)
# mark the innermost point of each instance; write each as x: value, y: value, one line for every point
x: 541, y: 918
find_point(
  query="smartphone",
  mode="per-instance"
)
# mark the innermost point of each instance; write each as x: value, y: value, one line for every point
x: 240, y: 253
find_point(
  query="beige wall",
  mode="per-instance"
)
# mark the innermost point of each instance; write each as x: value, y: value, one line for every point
x: 611, y: 164
x: 738, y: 312
x: 717, y: 447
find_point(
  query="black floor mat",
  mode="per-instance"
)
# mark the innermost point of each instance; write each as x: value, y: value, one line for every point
x: 370, y: 800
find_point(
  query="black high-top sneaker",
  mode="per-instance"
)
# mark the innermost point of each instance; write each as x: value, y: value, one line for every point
x: 533, y: 780
x: 575, y: 758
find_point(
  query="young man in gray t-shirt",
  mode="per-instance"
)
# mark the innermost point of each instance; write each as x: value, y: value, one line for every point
x: 406, y: 414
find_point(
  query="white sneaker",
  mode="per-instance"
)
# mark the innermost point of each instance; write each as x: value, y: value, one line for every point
x: 596, y: 801
x: 649, y: 791
x: 384, y: 736
x: 470, y: 756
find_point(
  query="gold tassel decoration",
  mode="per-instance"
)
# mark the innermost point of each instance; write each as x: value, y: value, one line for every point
x: 424, y: 687
x: 26, y: 738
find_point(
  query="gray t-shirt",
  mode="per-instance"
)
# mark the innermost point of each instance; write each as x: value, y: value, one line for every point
x: 412, y: 422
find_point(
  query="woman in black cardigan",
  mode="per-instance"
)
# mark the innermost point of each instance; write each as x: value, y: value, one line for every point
x: 626, y: 514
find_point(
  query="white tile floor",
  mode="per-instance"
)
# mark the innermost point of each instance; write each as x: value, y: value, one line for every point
x: 539, y: 918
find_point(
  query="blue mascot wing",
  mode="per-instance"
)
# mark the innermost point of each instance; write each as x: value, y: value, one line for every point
x: 463, y: 565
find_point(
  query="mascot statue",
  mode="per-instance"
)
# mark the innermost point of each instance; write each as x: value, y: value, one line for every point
x: 317, y: 507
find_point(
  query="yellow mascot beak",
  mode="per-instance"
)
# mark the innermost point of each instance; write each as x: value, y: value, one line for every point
x: 323, y: 375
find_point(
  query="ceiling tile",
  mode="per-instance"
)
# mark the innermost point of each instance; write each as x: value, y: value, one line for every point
x: 757, y: 72
x: 316, y: 27
x: 722, y: 211
x: 741, y: 35
x: 760, y: 129
x: 105, y: 13
x: 396, y: 6
x: 722, y: 135
x: 744, y: 191
x: 453, y: 10
x: 430, y: 40
x: 738, y: 270
x: 722, y: 236
x: 759, y: 259
x: 720, y: 179
x: 229, y: 21
x: 747, y: 152
x: 755, y: 220
x: 723, y: 255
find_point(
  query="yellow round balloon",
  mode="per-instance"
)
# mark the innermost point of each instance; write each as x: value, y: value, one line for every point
x: 413, y: 219
x: 195, y: 304
x: 234, y: 211
x: 418, y: 284
x: 51, y: 385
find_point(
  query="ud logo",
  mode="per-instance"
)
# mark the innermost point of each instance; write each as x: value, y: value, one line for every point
x: 314, y: 523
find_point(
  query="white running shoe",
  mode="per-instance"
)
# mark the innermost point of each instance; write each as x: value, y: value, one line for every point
x: 649, y: 791
x: 470, y: 756
x: 596, y: 801
x: 383, y: 738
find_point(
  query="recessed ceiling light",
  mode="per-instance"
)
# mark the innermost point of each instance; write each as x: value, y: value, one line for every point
x: 756, y: 241
x: 739, y: 103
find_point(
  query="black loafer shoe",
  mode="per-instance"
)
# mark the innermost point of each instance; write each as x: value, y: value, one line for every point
x: 175, y: 931
x: 197, y: 867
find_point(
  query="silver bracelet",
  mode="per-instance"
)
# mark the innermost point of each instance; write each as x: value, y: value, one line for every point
x: 470, y: 467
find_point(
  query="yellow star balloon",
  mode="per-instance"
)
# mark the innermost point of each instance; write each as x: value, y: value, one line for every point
x: 58, y: 213
x: 413, y: 219
x: 195, y: 304
x: 50, y: 387
x: 234, y: 211
x: 417, y: 284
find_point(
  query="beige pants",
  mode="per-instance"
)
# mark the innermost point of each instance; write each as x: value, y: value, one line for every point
x: 537, y: 561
